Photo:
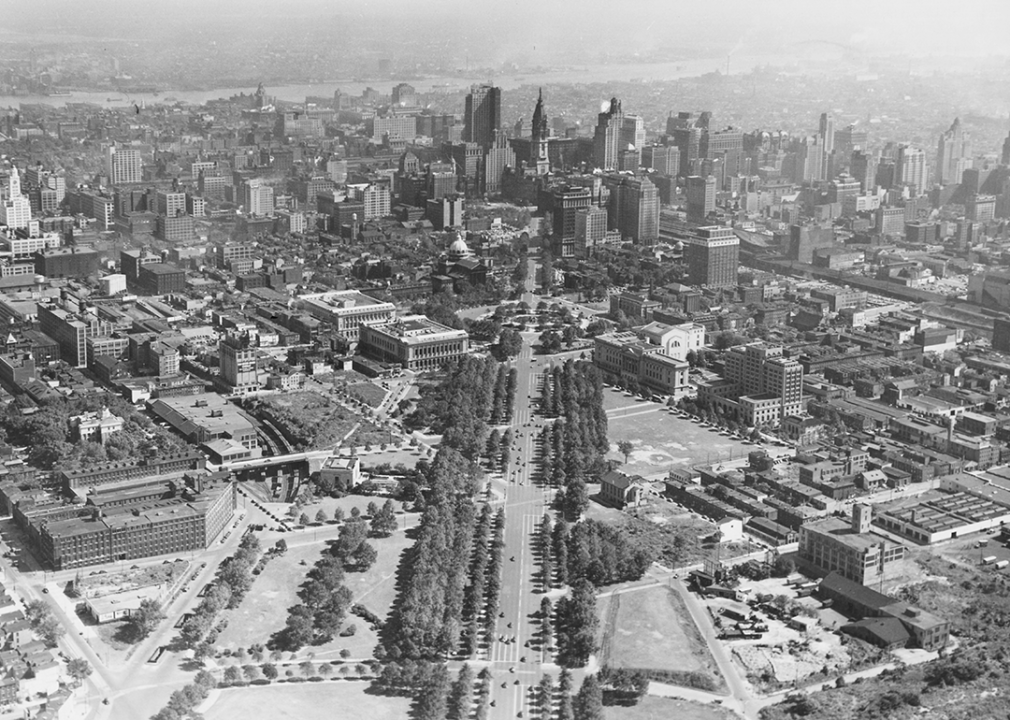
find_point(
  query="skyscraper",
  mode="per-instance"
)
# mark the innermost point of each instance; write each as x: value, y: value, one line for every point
x: 713, y: 256
x: 404, y: 95
x: 590, y: 229
x: 607, y: 140
x: 953, y: 154
x: 257, y: 198
x: 863, y: 169
x: 910, y: 169
x: 639, y: 210
x: 686, y: 130
x: 664, y: 159
x: 826, y: 129
x: 539, y: 151
x: 482, y: 115
x: 496, y: 158
x: 633, y: 134
x: 700, y: 193
x: 565, y: 203
x: 123, y: 165
x: 810, y: 164
x: 16, y: 209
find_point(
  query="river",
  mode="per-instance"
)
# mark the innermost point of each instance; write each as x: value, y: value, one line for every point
x: 446, y: 83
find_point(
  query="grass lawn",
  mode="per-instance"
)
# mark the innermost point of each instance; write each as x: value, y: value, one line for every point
x: 318, y: 420
x: 663, y: 441
x: 657, y: 708
x: 652, y: 630
x: 307, y: 701
x: 367, y: 392
x: 264, y: 609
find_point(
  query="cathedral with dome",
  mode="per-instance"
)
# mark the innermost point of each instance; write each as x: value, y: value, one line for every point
x: 459, y: 268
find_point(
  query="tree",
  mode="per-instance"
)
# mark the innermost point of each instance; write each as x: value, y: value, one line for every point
x: 281, y: 546
x: 146, y: 618
x: 625, y: 447
x: 232, y: 675
x: 269, y: 670
x: 79, y: 669
x: 321, y: 516
x: 565, y: 709
x: 50, y: 630
x: 588, y: 703
x: 550, y: 342
x: 365, y: 556
x: 338, y: 515
x: 509, y: 345
x: 307, y: 668
x: 384, y: 520
x: 251, y: 672
x: 303, y: 519
x: 355, y: 513
x: 371, y: 509
x: 299, y: 628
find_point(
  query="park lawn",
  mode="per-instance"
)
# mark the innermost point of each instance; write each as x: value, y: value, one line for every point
x: 658, y: 708
x: 652, y: 630
x: 367, y: 392
x: 333, y: 700
x: 663, y: 442
x: 320, y: 421
x: 264, y: 609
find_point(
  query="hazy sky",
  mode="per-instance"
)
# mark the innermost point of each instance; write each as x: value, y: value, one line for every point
x: 713, y: 27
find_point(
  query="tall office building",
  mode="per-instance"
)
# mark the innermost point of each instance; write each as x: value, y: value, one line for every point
x: 663, y: 159
x: 811, y: 161
x: 15, y: 209
x: 713, y: 256
x: 404, y: 95
x: 700, y: 193
x: 686, y: 131
x: 539, y: 148
x: 123, y: 165
x: 633, y: 135
x: 257, y: 198
x: 639, y: 200
x: 826, y: 131
x: 850, y: 138
x: 498, y: 156
x: 910, y: 169
x: 607, y: 139
x: 171, y: 203
x: 769, y: 386
x: 238, y: 364
x: 482, y: 115
x: 565, y: 203
x: 953, y: 154
x: 863, y: 168
x: 1005, y: 157
x: 590, y: 229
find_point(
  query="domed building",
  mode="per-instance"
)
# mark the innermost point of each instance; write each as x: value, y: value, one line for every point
x: 458, y: 250
x: 459, y: 268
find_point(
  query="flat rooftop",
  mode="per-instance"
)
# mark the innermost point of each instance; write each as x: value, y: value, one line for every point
x: 337, y: 300
x: 842, y: 531
x: 415, y: 329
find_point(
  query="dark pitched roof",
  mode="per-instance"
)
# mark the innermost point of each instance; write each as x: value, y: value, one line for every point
x: 855, y: 592
x: 888, y: 630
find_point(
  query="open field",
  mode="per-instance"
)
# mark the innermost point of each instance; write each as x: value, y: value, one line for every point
x: 656, y: 708
x: 98, y: 583
x: 662, y: 441
x: 339, y: 700
x: 314, y: 421
x: 264, y: 609
x: 652, y: 630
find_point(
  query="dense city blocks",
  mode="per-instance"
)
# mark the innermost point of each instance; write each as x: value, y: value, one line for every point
x: 462, y: 361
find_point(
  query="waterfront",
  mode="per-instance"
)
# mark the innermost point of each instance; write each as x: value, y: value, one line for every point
x: 445, y: 83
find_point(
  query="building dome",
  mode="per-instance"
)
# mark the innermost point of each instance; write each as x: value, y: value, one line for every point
x: 459, y: 249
